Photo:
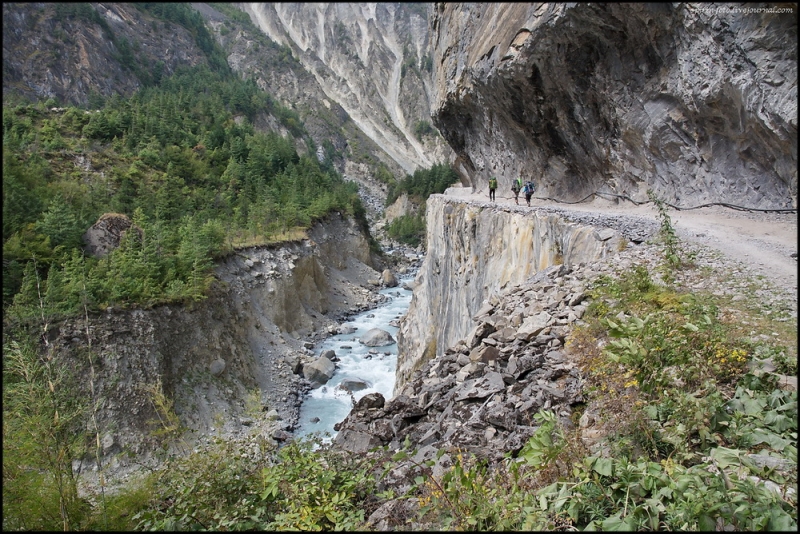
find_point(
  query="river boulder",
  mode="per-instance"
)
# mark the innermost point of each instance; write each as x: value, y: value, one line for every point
x: 353, y: 384
x: 319, y: 371
x: 330, y: 354
x: 347, y: 329
x: 388, y: 278
x: 377, y: 337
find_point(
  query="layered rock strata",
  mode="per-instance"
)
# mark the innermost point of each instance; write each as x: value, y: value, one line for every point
x: 475, y: 250
x: 372, y: 61
x: 696, y: 103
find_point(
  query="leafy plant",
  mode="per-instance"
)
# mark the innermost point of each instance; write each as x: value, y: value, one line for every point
x: 423, y: 183
x: 673, y: 255
x: 42, y: 433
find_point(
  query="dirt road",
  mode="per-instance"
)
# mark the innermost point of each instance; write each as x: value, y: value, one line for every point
x: 765, y: 242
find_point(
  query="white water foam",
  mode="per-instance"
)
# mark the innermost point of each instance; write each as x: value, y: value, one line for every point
x: 330, y: 404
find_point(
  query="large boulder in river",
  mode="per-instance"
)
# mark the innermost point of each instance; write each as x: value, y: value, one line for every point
x: 353, y: 384
x: 388, y: 278
x: 319, y: 371
x: 330, y: 354
x: 377, y: 337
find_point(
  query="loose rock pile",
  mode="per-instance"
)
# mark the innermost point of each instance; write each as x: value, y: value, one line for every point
x: 482, y: 394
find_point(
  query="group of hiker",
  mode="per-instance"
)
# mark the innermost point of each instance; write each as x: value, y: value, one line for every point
x: 516, y: 187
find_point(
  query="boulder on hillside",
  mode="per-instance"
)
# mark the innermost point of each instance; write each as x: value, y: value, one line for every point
x: 104, y: 235
x: 533, y: 325
x: 370, y: 401
x: 319, y: 371
x: 217, y: 367
x: 355, y: 441
x: 377, y: 337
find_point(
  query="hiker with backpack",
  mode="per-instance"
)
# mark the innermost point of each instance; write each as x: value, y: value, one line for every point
x: 492, y: 187
x: 528, y: 189
x: 516, y: 187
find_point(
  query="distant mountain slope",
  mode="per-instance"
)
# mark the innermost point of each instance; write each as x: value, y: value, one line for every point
x: 72, y: 52
x: 373, y: 60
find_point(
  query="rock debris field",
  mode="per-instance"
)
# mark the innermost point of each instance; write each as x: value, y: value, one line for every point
x: 481, y: 395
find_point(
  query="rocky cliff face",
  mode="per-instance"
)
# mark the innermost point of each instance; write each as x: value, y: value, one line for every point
x: 372, y: 60
x: 698, y: 106
x: 475, y: 251
x: 230, y: 354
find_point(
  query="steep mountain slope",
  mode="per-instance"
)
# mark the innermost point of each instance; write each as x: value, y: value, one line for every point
x: 70, y: 51
x: 697, y: 104
x: 371, y: 59
x: 80, y: 53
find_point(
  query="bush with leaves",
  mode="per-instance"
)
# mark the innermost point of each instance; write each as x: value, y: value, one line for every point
x: 43, y: 418
x: 293, y: 488
x: 423, y: 183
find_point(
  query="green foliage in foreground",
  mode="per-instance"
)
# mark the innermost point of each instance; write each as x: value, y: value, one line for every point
x: 219, y: 488
x: 43, y: 420
x: 183, y: 161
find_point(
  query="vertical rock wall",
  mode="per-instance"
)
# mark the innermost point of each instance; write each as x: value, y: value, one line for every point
x: 475, y: 250
x: 697, y: 102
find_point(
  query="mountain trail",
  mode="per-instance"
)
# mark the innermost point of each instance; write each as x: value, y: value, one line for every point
x: 764, y: 243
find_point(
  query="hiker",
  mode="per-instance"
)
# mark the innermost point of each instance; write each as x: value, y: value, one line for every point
x: 492, y: 187
x: 528, y: 190
x: 516, y: 187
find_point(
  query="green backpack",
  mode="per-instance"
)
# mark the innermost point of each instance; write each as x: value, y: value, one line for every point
x: 493, y: 183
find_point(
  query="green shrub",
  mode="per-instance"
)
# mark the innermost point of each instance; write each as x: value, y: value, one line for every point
x: 294, y: 488
x: 423, y: 183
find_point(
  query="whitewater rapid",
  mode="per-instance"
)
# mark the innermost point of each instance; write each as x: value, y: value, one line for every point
x: 375, y: 365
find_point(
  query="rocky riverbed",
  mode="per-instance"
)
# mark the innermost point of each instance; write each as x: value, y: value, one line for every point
x: 482, y: 394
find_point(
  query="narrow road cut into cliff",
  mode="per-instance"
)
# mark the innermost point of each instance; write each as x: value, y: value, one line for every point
x: 764, y: 242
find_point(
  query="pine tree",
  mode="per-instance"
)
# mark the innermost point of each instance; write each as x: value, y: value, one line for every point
x: 60, y: 224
